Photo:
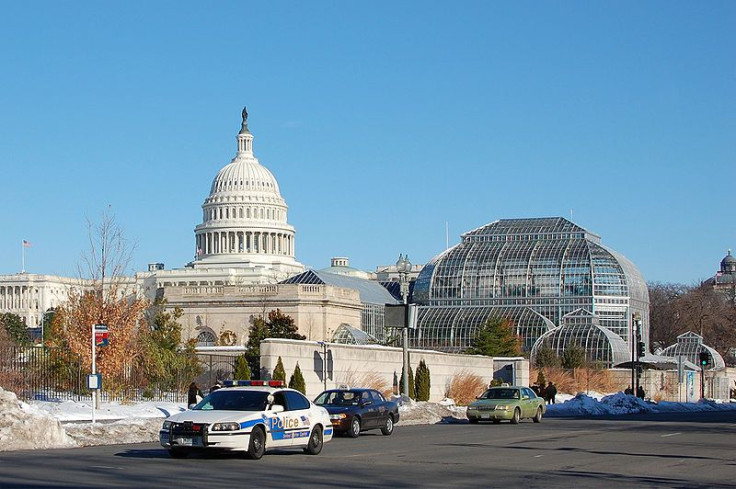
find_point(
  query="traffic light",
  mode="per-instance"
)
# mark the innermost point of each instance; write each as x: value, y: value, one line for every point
x: 704, y: 358
x: 642, y: 348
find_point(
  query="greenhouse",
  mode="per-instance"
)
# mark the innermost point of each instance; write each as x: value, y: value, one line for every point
x: 689, y: 346
x: 532, y: 271
x: 582, y: 329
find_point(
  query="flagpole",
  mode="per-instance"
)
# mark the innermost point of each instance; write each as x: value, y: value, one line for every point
x: 23, y: 252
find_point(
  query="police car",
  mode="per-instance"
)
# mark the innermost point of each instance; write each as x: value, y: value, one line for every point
x: 251, y: 417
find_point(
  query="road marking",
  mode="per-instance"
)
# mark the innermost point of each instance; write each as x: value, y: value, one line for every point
x: 669, y: 434
x: 103, y: 467
x: 538, y: 456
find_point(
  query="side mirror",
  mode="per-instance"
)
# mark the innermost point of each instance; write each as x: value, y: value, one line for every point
x: 192, y: 405
x: 365, y: 402
x: 525, y: 396
x: 277, y: 408
x: 479, y: 397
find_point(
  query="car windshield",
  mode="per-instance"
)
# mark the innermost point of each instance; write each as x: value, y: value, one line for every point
x: 338, y: 398
x: 500, y: 394
x: 233, y: 400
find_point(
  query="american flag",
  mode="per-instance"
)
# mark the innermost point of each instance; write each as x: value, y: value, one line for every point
x: 26, y: 244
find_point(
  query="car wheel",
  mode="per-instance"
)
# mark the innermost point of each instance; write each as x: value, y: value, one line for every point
x: 315, y: 441
x: 538, y: 417
x: 517, y: 416
x: 257, y: 445
x: 388, y: 426
x: 473, y: 420
x: 354, y: 429
x: 178, y: 452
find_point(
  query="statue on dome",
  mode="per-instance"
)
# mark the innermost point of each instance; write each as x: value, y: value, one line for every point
x: 245, y: 114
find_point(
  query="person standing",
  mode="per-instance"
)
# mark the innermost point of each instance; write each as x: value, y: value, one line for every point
x: 193, y: 393
x: 640, y: 392
x: 551, y: 392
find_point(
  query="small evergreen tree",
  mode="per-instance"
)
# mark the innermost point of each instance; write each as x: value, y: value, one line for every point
x: 296, y: 381
x: 279, y: 373
x: 242, y: 369
x: 495, y: 338
x: 15, y: 327
x: 573, y: 356
x: 546, y: 357
x: 411, y: 383
x: 422, y: 383
x: 278, y: 325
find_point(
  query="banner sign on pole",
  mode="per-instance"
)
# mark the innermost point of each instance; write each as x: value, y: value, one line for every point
x: 101, y: 335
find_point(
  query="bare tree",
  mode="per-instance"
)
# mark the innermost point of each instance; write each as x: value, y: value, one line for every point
x: 108, y: 256
x: 664, y: 320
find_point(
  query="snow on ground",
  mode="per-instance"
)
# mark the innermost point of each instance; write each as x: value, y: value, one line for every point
x: 62, y: 424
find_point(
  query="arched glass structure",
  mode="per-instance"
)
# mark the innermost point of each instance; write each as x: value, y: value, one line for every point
x: 689, y: 345
x: 583, y: 329
x: 349, y: 335
x: 513, y: 267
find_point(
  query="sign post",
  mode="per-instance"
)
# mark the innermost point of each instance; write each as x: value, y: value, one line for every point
x: 94, y: 382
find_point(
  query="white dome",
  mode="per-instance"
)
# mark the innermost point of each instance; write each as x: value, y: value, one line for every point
x: 244, y: 174
x: 244, y: 223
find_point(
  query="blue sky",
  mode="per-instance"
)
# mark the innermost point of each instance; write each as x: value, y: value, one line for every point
x: 384, y: 122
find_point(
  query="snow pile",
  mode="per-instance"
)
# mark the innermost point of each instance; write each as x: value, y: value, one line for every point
x: 134, y: 430
x: 421, y: 412
x: 585, y: 405
x: 24, y: 427
x: 622, y: 404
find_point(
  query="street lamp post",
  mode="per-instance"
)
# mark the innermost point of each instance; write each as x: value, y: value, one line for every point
x: 403, y: 266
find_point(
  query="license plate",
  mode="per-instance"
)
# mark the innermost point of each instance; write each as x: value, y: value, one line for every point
x: 187, y: 442
x: 485, y: 416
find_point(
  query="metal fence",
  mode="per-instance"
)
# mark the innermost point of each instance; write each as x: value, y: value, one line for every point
x: 52, y: 374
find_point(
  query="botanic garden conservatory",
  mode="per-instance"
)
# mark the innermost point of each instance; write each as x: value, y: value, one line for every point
x: 535, y: 272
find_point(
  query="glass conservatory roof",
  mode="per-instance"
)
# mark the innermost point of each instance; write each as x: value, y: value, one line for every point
x: 689, y: 345
x: 371, y: 292
x: 582, y: 328
x: 350, y: 335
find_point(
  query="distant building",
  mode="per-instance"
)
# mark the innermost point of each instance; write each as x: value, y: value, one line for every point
x: 30, y: 295
x: 725, y: 278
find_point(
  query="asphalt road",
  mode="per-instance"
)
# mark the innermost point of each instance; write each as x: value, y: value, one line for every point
x: 693, y: 451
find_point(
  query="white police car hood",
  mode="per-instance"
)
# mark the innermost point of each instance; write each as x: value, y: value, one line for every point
x: 214, y: 416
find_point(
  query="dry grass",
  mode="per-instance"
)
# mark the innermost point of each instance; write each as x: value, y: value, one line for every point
x: 578, y: 380
x: 464, y: 387
x: 368, y: 379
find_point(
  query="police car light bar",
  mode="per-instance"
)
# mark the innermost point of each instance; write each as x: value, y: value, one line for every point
x: 255, y: 383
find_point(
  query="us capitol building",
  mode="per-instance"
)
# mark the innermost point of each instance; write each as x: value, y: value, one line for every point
x: 557, y: 282
x: 244, y: 247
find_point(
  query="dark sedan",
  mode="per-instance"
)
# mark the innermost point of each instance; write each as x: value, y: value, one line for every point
x: 355, y: 410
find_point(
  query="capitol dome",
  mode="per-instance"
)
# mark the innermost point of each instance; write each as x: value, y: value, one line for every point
x: 244, y: 218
